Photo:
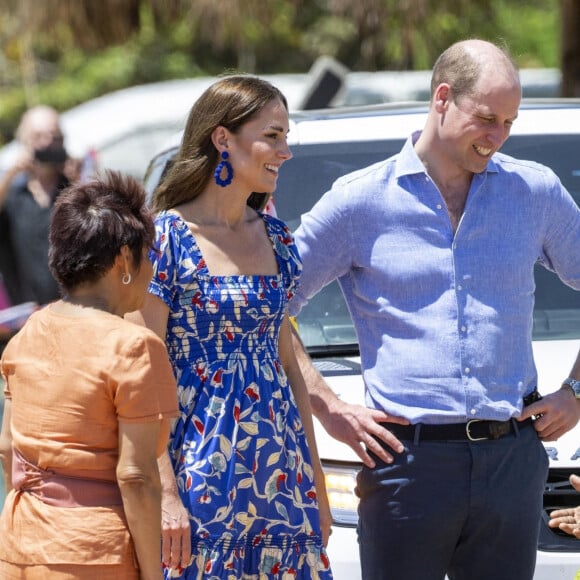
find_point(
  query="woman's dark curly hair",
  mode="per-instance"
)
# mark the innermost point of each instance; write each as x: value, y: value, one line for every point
x: 90, y: 223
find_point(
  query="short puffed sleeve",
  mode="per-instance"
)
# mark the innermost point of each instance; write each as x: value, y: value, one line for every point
x: 289, y: 258
x: 172, y: 258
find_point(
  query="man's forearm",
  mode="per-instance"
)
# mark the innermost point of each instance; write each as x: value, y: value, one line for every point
x: 321, y: 395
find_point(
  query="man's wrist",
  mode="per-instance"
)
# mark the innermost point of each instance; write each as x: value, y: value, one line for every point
x: 573, y: 385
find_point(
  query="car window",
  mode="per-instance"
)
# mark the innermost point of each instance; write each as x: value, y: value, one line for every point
x: 557, y: 307
x: 325, y: 322
x: 157, y: 170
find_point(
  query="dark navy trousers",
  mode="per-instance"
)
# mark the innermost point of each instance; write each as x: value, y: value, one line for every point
x: 471, y: 510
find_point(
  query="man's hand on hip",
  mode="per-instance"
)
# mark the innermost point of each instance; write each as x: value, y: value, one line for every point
x: 358, y: 427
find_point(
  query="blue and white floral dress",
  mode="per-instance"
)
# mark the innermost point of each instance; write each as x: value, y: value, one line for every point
x: 238, y: 448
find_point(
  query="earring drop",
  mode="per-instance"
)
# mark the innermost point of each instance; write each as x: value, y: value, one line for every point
x: 224, y: 164
x: 126, y: 279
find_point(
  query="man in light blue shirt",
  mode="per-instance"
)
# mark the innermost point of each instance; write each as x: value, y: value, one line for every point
x: 434, y: 250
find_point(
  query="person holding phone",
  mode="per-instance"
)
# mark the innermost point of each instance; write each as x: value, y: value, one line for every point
x: 28, y: 191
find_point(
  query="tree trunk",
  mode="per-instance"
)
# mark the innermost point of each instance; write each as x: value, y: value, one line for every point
x: 27, y: 60
x: 570, y: 47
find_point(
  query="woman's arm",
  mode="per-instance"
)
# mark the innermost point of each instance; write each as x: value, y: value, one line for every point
x: 302, y: 399
x: 176, y: 547
x: 176, y: 531
x: 138, y: 479
x: 6, y: 445
x: 153, y: 315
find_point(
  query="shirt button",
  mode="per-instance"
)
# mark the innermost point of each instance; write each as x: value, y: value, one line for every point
x: 463, y: 328
x: 472, y: 411
x: 439, y: 206
x: 467, y: 370
x: 459, y: 287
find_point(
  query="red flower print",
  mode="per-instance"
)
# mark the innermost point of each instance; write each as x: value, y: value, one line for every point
x: 252, y: 393
x: 217, y: 377
x: 200, y: 371
x: 195, y: 300
x: 280, y: 480
x: 237, y: 413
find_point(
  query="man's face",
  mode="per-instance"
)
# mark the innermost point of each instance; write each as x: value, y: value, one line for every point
x: 43, y: 137
x: 474, y: 127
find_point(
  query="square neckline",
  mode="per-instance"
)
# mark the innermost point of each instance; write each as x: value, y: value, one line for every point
x: 201, y: 266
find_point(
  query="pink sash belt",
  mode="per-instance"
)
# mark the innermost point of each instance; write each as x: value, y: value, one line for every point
x: 62, y: 490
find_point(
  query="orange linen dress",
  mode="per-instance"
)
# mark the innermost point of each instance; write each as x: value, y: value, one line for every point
x: 71, y: 380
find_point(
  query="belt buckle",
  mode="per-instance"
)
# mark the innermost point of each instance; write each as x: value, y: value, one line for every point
x: 468, y: 433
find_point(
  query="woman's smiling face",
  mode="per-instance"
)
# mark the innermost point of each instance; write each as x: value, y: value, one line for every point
x: 259, y: 148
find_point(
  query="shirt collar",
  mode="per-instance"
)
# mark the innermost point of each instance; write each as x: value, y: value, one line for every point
x: 408, y: 162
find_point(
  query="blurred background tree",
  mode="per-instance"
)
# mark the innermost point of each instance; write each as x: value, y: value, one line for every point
x: 64, y: 52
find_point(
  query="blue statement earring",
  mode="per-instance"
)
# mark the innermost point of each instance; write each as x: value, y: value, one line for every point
x: 224, y: 164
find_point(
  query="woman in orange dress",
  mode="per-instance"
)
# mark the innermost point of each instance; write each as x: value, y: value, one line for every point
x: 88, y: 399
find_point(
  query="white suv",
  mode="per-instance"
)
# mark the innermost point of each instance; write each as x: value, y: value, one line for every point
x: 327, y: 144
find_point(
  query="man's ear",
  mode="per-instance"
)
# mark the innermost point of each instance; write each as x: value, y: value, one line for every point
x: 441, y: 97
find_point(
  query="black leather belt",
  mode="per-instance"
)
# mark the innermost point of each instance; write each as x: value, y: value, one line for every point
x: 474, y: 430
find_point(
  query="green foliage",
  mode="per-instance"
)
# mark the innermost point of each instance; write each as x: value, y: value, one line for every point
x: 330, y: 35
x: 205, y: 37
x: 532, y: 32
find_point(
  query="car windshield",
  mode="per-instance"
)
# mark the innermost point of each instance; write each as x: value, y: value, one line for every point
x: 325, y: 322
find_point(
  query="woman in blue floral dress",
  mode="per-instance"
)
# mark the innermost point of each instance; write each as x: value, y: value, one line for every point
x: 243, y: 489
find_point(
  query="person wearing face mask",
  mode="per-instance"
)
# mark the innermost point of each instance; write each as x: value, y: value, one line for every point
x: 28, y: 191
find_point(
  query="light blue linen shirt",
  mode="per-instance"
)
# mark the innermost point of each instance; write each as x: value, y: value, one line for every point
x: 444, y: 321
